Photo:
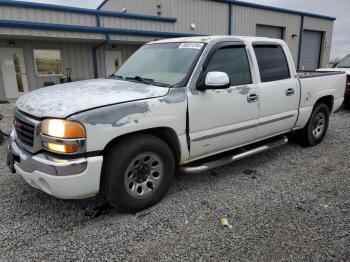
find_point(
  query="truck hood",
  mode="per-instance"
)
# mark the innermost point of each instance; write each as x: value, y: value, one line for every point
x: 63, y: 100
x: 346, y: 70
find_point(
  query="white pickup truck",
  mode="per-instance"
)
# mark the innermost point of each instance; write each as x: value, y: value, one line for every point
x: 190, y: 104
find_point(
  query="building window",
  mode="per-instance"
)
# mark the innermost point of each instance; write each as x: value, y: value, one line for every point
x: 47, y: 62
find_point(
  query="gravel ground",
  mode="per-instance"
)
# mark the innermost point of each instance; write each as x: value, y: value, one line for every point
x: 292, y: 203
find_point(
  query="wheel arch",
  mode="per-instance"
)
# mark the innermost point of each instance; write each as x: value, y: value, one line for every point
x: 328, y: 100
x: 167, y: 134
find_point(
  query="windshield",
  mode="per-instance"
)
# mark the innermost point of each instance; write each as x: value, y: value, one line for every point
x: 167, y: 63
x: 344, y: 63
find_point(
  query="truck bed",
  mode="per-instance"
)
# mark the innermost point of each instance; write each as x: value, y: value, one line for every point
x: 316, y: 84
x: 309, y: 74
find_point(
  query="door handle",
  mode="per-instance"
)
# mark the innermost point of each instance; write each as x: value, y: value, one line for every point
x: 251, y: 98
x: 290, y: 92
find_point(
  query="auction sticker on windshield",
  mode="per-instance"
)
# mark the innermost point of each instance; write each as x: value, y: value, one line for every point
x: 191, y: 45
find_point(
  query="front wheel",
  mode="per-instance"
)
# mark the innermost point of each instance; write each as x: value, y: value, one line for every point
x: 317, y: 126
x: 137, y: 172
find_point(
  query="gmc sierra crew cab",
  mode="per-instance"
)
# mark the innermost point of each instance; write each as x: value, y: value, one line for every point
x: 187, y: 104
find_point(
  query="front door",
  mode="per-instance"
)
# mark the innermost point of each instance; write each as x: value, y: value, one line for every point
x: 13, y: 72
x: 226, y: 118
x: 113, y: 60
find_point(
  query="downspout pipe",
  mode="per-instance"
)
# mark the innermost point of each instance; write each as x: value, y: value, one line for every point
x: 301, y: 35
x: 94, y: 53
x: 230, y: 19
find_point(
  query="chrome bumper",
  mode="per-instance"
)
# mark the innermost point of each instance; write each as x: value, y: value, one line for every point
x: 44, y: 163
x: 66, y: 179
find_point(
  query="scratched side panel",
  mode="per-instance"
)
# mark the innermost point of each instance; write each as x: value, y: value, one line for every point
x: 106, y: 123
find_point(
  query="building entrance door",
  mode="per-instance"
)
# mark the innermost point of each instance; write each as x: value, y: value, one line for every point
x: 113, y: 60
x: 13, y: 71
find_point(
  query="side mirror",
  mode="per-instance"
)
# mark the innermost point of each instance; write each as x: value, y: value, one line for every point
x: 215, y: 80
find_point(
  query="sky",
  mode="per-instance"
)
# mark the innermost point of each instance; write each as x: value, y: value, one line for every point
x: 336, y: 8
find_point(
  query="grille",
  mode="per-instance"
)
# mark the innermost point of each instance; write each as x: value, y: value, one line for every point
x: 24, y: 131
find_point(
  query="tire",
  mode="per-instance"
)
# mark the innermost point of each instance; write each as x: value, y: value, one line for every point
x: 137, y: 172
x: 316, y: 128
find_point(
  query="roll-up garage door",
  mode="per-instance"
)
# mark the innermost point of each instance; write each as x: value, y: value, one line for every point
x: 269, y: 31
x: 310, y: 50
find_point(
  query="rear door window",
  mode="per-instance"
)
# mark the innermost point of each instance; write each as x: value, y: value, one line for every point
x: 272, y: 61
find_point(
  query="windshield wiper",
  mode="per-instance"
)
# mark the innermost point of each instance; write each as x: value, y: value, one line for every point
x: 147, y: 81
x: 117, y: 76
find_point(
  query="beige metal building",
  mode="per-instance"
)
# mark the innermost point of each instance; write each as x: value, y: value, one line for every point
x: 38, y: 42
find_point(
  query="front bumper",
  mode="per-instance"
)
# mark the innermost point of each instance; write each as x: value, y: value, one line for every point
x: 66, y: 179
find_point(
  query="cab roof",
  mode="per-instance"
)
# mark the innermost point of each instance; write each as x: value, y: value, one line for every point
x: 218, y: 38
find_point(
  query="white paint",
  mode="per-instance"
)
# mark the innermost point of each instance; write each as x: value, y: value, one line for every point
x: 216, y: 79
x: 274, y: 104
x: 8, y: 71
x: 338, y: 69
x: 195, y: 39
x: 217, y: 111
x: 63, y: 100
x: 160, y: 114
x: 77, y: 186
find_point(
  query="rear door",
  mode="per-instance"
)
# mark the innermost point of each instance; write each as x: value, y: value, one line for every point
x: 221, y: 119
x: 279, y: 91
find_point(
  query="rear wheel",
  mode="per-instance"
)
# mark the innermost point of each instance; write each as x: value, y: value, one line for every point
x: 317, y: 126
x: 137, y: 172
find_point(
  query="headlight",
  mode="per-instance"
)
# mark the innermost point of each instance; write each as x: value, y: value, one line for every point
x: 62, y: 128
x: 63, y: 136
